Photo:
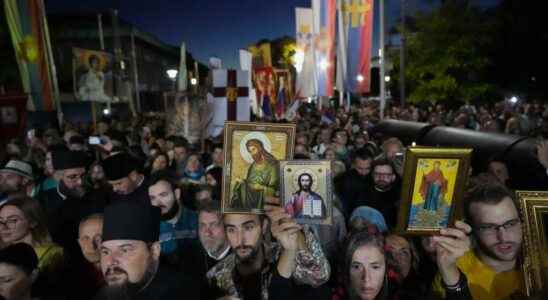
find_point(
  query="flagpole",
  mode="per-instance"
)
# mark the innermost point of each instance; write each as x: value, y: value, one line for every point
x: 381, y: 58
x: 135, y: 74
x: 102, y: 44
x: 52, y: 65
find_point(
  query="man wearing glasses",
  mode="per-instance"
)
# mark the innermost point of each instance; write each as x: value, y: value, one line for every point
x: 492, y: 268
x: 382, y: 191
x: 65, y: 205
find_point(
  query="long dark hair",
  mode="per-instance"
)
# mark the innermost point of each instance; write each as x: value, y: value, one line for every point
x: 364, y: 238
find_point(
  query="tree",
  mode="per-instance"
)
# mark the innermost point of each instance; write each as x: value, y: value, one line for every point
x: 446, y: 57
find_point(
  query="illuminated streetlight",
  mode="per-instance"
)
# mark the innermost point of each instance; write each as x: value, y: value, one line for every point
x: 360, y: 78
x: 387, y: 78
x: 106, y: 111
x: 193, y: 81
x: 172, y: 73
x: 514, y: 99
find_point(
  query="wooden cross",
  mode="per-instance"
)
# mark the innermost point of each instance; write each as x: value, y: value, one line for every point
x: 356, y: 10
x: 231, y: 92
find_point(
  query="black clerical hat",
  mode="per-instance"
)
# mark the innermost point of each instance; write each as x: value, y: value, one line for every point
x: 63, y: 160
x: 130, y: 220
x: 20, y: 255
x: 119, y: 166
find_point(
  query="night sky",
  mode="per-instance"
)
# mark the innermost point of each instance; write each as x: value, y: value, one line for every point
x: 220, y: 28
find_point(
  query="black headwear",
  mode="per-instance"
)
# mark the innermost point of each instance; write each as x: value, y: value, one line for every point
x: 20, y: 255
x: 119, y: 166
x: 129, y: 220
x: 63, y: 160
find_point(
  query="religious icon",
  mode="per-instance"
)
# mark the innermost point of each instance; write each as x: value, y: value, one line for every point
x: 252, y: 155
x: 306, y: 190
x: 433, y: 186
x: 534, y: 216
x: 92, y: 71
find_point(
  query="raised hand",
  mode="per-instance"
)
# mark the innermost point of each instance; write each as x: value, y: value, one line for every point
x: 451, y: 244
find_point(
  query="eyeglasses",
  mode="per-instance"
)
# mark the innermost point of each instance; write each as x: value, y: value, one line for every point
x: 492, y: 229
x: 10, y: 223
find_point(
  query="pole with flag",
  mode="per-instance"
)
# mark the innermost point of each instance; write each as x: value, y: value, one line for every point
x: 305, y: 63
x: 324, y: 44
x: 30, y: 38
x: 182, y: 81
x: 354, y: 49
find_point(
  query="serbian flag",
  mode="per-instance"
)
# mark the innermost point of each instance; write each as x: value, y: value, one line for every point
x: 230, y: 98
x: 354, y: 51
x: 30, y: 38
x: 324, y: 30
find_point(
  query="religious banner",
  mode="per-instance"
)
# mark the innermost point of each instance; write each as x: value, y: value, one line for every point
x: 324, y: 44
x: 230, y: 98
x: 284, y: 92
x: 306, y: 85
x: 264, y: 81
x: 262, y: 55
x: 92, y: 75
x: 185, y: 115
x: 354, y: 52
x: 30, y: 38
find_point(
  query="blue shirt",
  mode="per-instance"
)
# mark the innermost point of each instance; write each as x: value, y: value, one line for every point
x: 172, y: 235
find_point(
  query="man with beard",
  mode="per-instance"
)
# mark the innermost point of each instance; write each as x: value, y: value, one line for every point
x: 65, y: 205
x: 302, y: 202
x: 178, y: 224
x: 350, y: 186
x: 492, y: 268
x: 15, y: 177
x: 128, y: 184
x: 258, y: 269
x: 382, y: 190
x: 262, y: 178
x: 130, y: 253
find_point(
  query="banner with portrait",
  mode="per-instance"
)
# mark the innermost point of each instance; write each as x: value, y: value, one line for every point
x: 92, y: 75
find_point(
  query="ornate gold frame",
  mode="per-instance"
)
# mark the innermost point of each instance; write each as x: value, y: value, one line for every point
x: 533, y: 204
x: 229, y: 128
x: 412, y: 156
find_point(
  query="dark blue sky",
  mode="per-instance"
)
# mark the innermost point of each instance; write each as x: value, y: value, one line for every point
x: 215, y: 27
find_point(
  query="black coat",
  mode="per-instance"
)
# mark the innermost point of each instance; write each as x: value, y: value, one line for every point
x: 167, y: 284
x: 350, y: 188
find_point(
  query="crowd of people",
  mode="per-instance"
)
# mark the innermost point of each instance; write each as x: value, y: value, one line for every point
x: 125, y: 210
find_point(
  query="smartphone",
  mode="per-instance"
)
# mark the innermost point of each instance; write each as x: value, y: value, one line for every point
x: 94, y: 140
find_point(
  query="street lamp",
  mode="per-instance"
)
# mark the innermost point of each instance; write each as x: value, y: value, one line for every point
x: 387, y: 78
x: 359, y: 78
x: 193, y: 81
x: 172, y: 74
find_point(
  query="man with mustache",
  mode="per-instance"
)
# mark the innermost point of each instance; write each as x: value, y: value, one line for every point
x: 382, y: 191
x: 258, y: 269
x: 66, y: 205
x: 492, y: 268
x: 130, y: 253
x: 15, y: 177
x: 178, y: 225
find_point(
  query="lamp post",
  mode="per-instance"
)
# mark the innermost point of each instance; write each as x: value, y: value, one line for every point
x: 172, y: 74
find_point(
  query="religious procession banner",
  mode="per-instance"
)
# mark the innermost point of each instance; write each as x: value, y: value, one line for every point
x: 264, y: 81
x: 30, y: 38
x: 92, y: 75
x: 354, y: 51
x: 305, y: 63
x: 324, y: 44
x: 230, y: 98
x: 284, y: 92
x: 262, y: 55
